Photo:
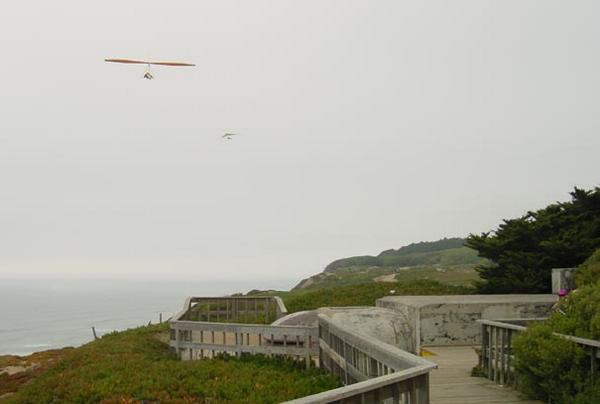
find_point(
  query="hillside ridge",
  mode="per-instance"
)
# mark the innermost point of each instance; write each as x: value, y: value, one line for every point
x: 446, y: 260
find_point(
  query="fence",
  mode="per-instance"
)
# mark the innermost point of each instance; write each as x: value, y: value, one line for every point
x: 373, y: 371
x: 193, y: 336
x: 496, y: 357
x: 262, y: 310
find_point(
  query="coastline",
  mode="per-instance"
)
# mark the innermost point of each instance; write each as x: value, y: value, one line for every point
x: 53, y: 315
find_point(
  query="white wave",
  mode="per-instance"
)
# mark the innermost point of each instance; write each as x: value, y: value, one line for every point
x: 37, y: 345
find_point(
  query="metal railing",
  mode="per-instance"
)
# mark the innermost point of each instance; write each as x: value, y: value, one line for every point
x: 373, y: 371
x: 496, y: 357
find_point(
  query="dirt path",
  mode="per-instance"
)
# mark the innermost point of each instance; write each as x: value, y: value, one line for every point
x: 385, y: 278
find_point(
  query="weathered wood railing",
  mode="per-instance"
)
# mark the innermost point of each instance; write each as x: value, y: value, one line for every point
x: 373, y: 371
x: 194, y: 336
x: 261, y: 310
x: 496, y: 356
x: 198, y: 340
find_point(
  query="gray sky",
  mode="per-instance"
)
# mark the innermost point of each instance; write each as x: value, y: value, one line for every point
x: 365, y: 125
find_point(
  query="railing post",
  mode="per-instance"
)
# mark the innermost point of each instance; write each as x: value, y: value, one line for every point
x: 509, y: 375
x: 489, y: 353
x: 482, y: 352
x: 345, y: 361
x: 502, y: 358
x: 177, y: 339
x: 422, y: 389
x: 307, y: 343
x: 593, y: 353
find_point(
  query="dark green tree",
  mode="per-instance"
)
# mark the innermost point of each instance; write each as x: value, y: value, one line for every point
x: 523, y: 251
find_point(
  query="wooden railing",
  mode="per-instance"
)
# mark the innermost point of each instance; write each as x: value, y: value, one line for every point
x: 194, y: 336
x: 260, y: 310
x: 496, y: 356
x: 197, y: 340
x: 373, y: 371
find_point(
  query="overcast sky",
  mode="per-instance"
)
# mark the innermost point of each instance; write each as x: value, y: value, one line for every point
x: 364, y: 125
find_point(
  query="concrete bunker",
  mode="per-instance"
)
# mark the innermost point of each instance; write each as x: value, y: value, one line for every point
x: 451, y: 320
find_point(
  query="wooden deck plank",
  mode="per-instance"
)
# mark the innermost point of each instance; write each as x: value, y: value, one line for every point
x: 452, y: 382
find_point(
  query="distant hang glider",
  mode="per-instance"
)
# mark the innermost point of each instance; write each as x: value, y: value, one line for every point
x: 148, y: 74
x: 228, y: 136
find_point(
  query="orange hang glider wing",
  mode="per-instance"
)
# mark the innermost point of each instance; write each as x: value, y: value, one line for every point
x: 143, y: 62
x: 171, y: 64
x: 131, y: 61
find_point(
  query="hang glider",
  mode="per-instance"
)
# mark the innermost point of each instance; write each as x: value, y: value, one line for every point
x: 148, y: 74
x: 228, y: 136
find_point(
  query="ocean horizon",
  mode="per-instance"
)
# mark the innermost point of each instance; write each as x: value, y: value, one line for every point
x: 37, y: 315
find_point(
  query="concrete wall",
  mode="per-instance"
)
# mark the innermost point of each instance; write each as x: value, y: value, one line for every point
x: 451, y: 320
x: 389, y: 326
x: 563, y: 278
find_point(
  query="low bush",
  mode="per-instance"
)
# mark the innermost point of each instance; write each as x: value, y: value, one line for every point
x: 549, y: 367
x: 591, y: 395
x: 366, y: 294
x: 579, y: 313
x: 135, y: 366
x: 553, y: 368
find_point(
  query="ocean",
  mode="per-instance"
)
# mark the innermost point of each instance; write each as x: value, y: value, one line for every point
x: 36, y: 315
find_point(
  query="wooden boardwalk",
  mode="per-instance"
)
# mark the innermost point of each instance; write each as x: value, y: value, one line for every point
x: 452, y: 383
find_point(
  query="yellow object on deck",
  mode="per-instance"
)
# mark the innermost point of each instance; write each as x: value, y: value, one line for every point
x: 426, y: 352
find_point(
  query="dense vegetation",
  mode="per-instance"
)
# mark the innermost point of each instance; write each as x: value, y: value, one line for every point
x: 552, y: 368
x: 365, y: 294
x: 523, y: 251
x: 549, y: 367
x: 134, y: 365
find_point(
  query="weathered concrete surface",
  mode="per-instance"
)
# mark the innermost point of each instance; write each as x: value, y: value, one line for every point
x: 385, y: 325
x: 452, y: 383
x: 307, y: 318
x: 451, y: 320
x: 563, y: 278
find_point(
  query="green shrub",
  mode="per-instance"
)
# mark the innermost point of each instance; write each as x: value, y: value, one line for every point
x: 135, y: 366
x: 589, y: 272
x: 579, y: 313
x: 366, y: 294
x: 549, y: 367
x: 591, y: 395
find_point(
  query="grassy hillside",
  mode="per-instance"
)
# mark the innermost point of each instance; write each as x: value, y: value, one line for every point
x: 446, y: 261
x: 135, y: 365
x: 364, y: 294
x: 447, y: 251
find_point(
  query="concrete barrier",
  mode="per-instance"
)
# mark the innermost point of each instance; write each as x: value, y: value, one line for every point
x: 452, y: 320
